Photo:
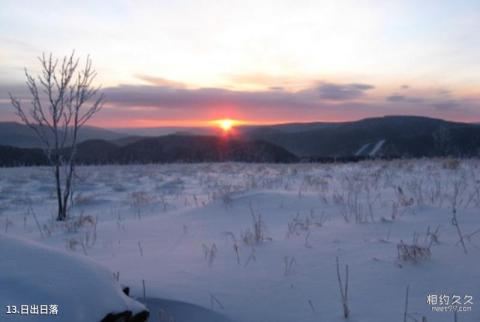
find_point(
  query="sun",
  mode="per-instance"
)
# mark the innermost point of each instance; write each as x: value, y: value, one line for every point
x: 226, y: 124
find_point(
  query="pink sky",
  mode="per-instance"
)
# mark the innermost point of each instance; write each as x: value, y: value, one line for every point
x: 186, y: 63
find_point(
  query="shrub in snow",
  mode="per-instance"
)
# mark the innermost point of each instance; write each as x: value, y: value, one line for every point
x: 256, y: 236
x: 298, y: 224
x: 34, y: 275
x: 209, y: 253
x: 413, y: 252
x: 451, y: 164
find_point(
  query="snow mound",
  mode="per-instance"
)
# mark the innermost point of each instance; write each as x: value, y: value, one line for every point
x: 34, y: 277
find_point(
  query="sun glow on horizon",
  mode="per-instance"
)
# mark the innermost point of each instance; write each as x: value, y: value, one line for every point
x: 226, y: 124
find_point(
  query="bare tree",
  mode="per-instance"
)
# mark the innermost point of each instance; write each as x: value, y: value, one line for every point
x: 63, y: 99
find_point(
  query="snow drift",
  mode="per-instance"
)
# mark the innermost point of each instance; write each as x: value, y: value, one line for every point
x: 35, y: 279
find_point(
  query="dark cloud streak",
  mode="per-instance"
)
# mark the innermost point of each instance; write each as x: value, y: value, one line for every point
x: 404, y: 99
x: 342, y: 92
x: 165, y: 96
x: 446, y: 105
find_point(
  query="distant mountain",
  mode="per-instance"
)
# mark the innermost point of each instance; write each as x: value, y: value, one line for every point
x: 382, y: 137
x: 170, y: 148
x: 174, y: 148
x: 127, y: 140
x: 20, y: 135
x: 390, y: 136
x: 161, y: 131
x: 284, y: 128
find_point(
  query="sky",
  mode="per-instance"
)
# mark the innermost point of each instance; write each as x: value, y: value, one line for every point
x: 186, y: 63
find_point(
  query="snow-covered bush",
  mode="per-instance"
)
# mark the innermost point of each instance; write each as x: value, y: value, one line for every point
x: 38, y: 279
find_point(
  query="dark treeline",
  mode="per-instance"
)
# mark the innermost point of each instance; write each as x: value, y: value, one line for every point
x: 167, y: 149
x: 191, y: 148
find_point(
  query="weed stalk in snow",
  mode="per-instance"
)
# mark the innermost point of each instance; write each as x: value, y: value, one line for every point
x: 213, y: 300
x: 405, y: 312
x: 343, y: 289
x: 144, y: 292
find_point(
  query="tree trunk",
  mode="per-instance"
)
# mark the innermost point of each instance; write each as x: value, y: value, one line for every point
x: 68, y: 188
x: 61, y: 213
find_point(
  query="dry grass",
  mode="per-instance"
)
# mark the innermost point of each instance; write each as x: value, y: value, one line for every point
x: 413, y: 253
